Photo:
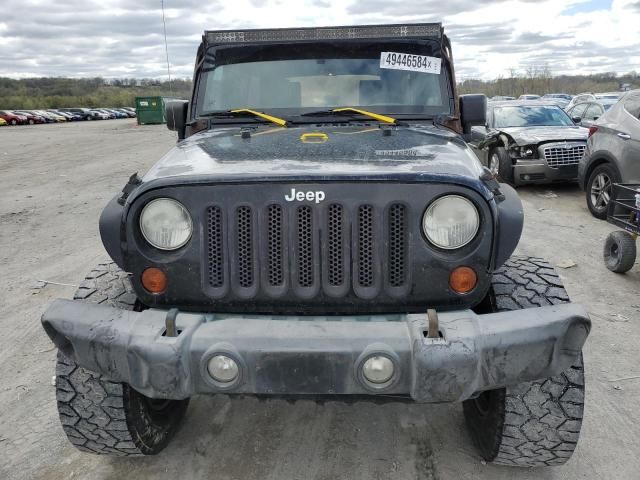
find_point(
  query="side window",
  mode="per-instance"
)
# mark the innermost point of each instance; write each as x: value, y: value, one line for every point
x: 632, y: 105
x: 594, y: 111
x: 578, y: 110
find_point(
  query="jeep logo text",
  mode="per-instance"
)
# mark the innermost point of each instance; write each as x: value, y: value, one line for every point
x: 302, y: 196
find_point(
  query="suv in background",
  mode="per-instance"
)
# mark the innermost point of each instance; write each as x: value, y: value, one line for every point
x: 612, y: 154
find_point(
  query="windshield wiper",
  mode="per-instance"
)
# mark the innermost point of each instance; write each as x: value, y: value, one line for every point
x: 352, y: 110
x: 243, y: 112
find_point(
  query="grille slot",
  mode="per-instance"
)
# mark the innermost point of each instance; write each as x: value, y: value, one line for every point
x: 335, y: 229
x: 275, y: 244
x: 305, y: 246
x: 365, y: 246
x: 244, y: 245
x: 557, y: 156
x: 397, y: 260
x: 215, y: 246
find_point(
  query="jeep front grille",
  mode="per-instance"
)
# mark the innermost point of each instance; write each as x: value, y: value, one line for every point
x: 334, y: 249
x: 558, y: 155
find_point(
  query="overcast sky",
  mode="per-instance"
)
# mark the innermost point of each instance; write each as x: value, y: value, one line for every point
x: 123, y: 38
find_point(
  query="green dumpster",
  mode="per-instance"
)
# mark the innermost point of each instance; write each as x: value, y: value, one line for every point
x: 150, y: 110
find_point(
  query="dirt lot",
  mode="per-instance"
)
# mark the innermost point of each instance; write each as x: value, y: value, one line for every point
x: 55, y: 179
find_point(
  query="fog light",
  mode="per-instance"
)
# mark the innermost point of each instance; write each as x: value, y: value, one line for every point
x: 378, y: 369
x: 222, y: 368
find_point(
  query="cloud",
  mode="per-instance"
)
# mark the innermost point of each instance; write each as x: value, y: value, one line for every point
x: 117, y: 38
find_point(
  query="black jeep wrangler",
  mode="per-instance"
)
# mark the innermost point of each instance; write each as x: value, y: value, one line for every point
x: 321, y: 229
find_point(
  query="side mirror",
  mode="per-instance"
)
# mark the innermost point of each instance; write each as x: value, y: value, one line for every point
x: 175, y: 113
x: 576, y: 120
x: 473, y: 111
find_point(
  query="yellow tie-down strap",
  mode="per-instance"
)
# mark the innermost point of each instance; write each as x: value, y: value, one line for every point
x: 316, y: 137
x: 276, y: 120
x: 376, y: 116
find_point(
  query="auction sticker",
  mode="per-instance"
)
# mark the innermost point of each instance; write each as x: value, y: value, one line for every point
x: 412, y: 63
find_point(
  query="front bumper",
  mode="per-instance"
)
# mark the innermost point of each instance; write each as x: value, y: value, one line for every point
x: 288, y: 355
x: 538, y: 171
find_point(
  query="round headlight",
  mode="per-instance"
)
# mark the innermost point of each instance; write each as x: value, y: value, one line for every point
x: 166, y: 224
x: 451, y: 222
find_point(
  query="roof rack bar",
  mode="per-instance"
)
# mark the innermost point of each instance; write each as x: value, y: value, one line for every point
x: 413, y: 30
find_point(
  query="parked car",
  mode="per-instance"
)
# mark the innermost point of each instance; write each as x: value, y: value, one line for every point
x: 48, y: 118
x: 71, y: 117
x: 117, y: 113
x: 529, y: 96
x: 55, y: 117
x: 32, y: 118
x: 83, y: 113
x: 97, y: 115
x: 12, y: 118
x: 529, y: 142
x: 128, y: 113
x: 586, y: 113
x: 3, y: 122
x: 109, y: 115
x: 499, y: 98
x: 564, y: 96
x: 581, y: 98
x: 612, y: 154
x: 560, y: 102
x: 608, y: 95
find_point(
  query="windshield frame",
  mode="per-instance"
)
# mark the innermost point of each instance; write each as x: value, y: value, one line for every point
x: 252, y: 52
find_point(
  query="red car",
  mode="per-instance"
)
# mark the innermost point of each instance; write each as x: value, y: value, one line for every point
x: 31, y: 117
x: 12, y: 118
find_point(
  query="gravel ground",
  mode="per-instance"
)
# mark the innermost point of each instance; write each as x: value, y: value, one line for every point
x: 55, y: 179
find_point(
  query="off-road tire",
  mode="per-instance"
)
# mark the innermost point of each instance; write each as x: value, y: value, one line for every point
x: 534, y: 423
x: 505, y: 165
x: 619, y: 251
x: 612, y: 174
x: 105, y: 417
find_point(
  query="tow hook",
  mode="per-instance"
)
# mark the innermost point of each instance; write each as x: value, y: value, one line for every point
x: 170, y: 323
x: 434, y: 324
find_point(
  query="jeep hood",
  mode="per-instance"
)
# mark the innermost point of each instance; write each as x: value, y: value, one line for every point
x: 313, y: 153
x: 535, y: 135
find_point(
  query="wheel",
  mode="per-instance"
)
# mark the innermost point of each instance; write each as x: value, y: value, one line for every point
x: 89, y: 117
x: 13, y: 122
x: 600, y: 188
x: 534, y: 423
x: 31, y: 122
x: 619, y: 251
x: 501, y: 165
x: 105, y: 417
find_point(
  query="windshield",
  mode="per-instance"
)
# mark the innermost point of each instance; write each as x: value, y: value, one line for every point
x: 530, y: 116
x: 288, y: 79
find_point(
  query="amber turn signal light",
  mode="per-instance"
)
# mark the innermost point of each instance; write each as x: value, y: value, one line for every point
x: 463, y: 280
x: 154, y: 280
